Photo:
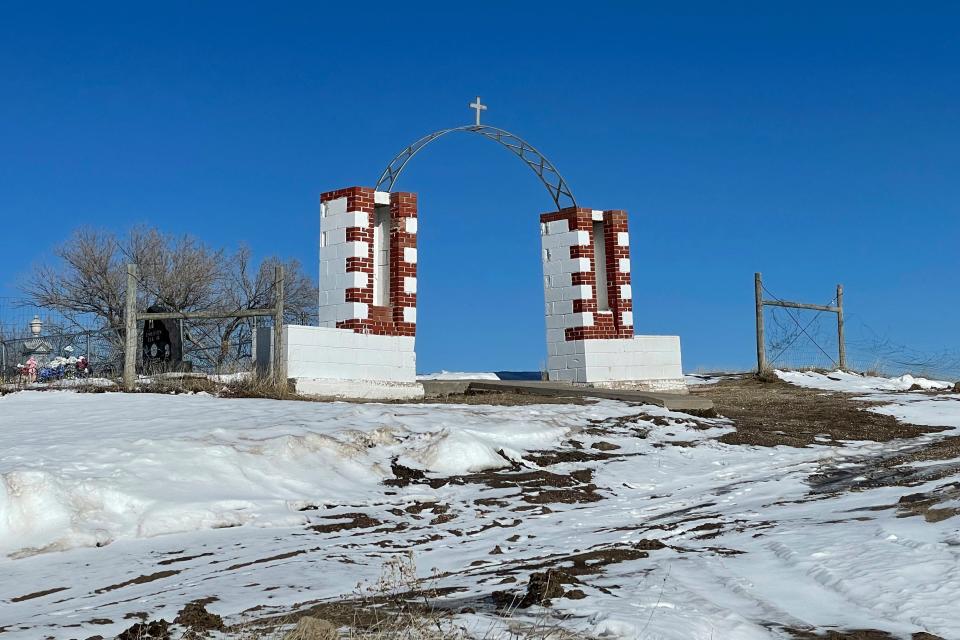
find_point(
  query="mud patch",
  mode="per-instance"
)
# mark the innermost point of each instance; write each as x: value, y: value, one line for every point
x: 854, y: 634
x: 139, y: 580
x: 195, y: 616
x: 153, y: 630
x: 38, y: 594
x: 353, y: 521
x: 925, y: 504
x: 778, y: 413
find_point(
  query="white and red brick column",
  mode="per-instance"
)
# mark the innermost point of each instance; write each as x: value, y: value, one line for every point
x: 590, y: 336
x: 347, y: 262
x: 570, y: 275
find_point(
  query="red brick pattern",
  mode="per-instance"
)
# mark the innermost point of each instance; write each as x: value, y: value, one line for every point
x: 358, y: 198
x: 387, y: 319
x: 607, y: 325
x: 614, y: 223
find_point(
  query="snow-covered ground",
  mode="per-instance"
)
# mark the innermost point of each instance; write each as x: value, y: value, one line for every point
x: 854, y: 383
x: 114, y: 504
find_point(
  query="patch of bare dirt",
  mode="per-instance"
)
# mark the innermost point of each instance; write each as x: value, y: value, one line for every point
x: 153, y: 630
x: 926, y: 504
x: 854, y: 634
x: 353, y: 521
x: 542, y: 588
x: 139, y: 580
x: 38, y: 594
x: 772, y: 412
x: 195, y: 617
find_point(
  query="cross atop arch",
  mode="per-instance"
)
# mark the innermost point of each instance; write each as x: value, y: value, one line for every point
x: 478, y: 107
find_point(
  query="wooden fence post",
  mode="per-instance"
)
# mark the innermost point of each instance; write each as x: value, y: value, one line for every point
x: 761, y: 348
x: 278, y: 374
x: 130, y: 331
x: 841, y: 343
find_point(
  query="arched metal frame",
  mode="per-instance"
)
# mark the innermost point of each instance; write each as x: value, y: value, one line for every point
x: 539, y: 164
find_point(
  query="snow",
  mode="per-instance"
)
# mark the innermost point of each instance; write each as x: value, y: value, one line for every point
x: 146, y: 465
x: 220, y: 492
x: 458, y: 375
x: 855, y: 383
x: 693, y: 379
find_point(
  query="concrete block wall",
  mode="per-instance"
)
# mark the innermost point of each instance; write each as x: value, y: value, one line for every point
x: 339, y: 354
x: 347, y: 262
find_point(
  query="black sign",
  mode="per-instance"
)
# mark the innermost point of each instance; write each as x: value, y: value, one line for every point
x: 161, y: 343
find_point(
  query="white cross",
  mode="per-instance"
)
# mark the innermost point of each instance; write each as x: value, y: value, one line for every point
x: 478, y: 107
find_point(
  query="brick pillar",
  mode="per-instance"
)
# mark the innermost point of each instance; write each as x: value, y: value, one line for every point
x: 403, y: 263
x: 347, y: 262
x: 570, y: 275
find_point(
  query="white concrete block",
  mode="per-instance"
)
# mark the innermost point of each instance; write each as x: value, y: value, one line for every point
x: 409, y: 314
x: 409, y: 285
x: 583, y: 292
x: 333, y: 207
x: 581, y: 320
x: 555, y: 335
x: 381, y: 197
x: 356, y: 249
x: 561, y: 307
x: 626, y: 292
x: 624, y: 265
x: 335, y: 236
x: 628, y: 318
x: 623, y: 239
x: 558, y: 226
x: 410, y: 255
x: 342, y: 220
x: 358, y: 310
x: 597, y: 215
x: 410, y: 224
x: 567, y: 239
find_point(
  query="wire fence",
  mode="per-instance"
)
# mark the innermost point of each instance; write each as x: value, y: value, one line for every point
x: 800, y: 339
x: 808, y: 338
x: 66, y: 348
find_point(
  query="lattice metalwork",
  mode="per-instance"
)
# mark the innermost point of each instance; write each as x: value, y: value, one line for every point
x: 538, y: 163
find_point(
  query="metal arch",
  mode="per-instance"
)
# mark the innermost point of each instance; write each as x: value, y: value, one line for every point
x: 544, y: 169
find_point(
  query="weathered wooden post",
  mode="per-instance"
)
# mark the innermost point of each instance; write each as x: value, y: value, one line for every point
x: 761, y: 348
x: 841, y: 344
x: 130, y: 331
x: 278, y: 374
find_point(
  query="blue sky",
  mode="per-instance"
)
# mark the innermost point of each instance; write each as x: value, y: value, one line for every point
x: 817, y: 143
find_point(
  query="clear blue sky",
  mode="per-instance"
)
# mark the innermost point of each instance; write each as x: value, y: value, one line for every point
x: 818, y: 144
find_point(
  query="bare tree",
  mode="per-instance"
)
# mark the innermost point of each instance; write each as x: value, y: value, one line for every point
x: 249, y: 287
x: 88, y: 279
x: 179, y: 273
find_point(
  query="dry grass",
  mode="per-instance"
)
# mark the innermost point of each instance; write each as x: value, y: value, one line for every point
x: 400, y: 606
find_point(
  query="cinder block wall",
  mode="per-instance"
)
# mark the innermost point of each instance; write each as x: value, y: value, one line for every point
x: 338, y: 354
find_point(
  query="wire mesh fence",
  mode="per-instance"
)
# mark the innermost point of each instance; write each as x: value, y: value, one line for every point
x: 870, y: 352
x: 800, y: 339
x: 39, y: 347
x: 793, y: 335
